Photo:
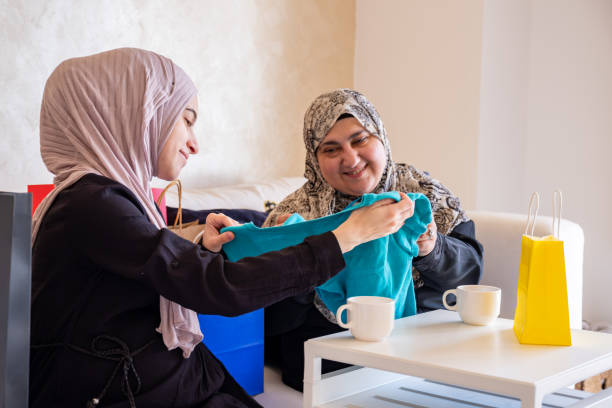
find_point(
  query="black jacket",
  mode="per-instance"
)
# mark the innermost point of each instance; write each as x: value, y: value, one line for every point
x: 99, y: 267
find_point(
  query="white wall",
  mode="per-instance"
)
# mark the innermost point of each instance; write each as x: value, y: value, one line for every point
x: 419, y: 64
x: 257, y: 64
x: 503, y: 106
x: 543, y: 106
x: 569, y: 128
x: 546, y: 122
x: 495, y: 98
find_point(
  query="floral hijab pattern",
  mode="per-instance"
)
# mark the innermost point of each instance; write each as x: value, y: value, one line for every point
x: 316, y: 198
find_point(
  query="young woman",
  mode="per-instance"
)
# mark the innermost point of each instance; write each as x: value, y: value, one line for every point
x: 348, y: 155
x: 115, y: 294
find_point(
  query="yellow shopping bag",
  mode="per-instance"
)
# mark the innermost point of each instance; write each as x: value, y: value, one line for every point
x: 542, y: 312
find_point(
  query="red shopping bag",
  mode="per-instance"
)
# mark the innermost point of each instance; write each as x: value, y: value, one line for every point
x: 40, y: 191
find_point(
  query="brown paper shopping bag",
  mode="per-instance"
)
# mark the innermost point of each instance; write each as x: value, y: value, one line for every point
x: 192, y: 231
x: 542, y: 313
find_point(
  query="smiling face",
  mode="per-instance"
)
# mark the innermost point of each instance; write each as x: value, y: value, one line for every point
x: 351, y: 159
x: 180, y: 144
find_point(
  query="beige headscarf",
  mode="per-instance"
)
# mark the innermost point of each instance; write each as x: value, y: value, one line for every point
x: 110, y: 114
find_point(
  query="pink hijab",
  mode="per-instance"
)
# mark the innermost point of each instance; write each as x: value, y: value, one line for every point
x: 110, y: 114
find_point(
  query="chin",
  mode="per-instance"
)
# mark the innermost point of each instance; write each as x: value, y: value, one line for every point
x: 170, y: 176
x: 363, y: 189
x: 356, y: 187
x: 355, y: 191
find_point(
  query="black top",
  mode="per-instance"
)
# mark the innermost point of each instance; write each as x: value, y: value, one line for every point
x: 455, y: 260
x: 99, y: 267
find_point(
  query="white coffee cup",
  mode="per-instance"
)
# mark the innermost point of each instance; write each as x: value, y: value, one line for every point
x: 369, y: 318
x: 476, y: 304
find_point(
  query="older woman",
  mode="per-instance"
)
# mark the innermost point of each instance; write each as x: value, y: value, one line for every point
x: 348, y: 155
x: 114, y: 293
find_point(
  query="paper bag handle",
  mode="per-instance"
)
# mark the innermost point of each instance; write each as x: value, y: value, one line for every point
x: 557, y: 207
x: 534, y: 205
x: 179, y: 214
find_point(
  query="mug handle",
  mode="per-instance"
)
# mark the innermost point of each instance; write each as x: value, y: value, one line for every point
x: 341, y: 309
x: 448, y: 292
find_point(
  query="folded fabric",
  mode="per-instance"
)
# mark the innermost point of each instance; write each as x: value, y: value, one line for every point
x: 382, y: 267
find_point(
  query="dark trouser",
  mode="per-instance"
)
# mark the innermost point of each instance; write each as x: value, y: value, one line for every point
x: 287, y: 349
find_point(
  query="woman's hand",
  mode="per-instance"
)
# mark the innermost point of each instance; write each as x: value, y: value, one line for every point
x: 427, y: 241
x: 212, y: 239
x: 280, y: 220
x: 375, y: 221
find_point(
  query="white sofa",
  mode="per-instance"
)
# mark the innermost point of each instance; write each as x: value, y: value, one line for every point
x: 500, y: 234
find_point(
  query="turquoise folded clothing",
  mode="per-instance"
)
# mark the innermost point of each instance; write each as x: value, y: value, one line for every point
x: 382, y: 267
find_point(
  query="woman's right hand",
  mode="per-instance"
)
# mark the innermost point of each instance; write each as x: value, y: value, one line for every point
x: 375, y: 221
x: 213, y: 240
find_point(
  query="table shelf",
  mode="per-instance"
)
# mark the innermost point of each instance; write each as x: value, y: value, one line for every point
x: 417, y: 392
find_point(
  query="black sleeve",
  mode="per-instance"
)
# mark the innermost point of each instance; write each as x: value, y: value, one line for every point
x: 110, y: 229
x: 455, y: 260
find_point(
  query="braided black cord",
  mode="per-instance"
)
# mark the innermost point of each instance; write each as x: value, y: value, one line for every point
x: 121, y: 354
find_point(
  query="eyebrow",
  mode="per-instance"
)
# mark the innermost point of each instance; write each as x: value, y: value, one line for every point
x: 351, y: 137
x: 195, y: 114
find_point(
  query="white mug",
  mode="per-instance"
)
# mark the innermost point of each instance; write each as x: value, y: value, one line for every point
x: 476, y: 304
x: 369, y: 318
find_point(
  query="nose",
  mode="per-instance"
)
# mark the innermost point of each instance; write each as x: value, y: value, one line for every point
x: 350, y: 157
x: 192, y: 144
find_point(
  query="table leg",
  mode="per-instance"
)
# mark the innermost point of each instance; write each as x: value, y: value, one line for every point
x: 532, y: 400
x: 312, y: 378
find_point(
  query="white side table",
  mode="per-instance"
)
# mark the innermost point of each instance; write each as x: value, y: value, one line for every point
x: 439, y: 347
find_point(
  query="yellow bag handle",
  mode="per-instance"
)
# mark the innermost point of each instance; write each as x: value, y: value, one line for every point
x: 534, y: 205
x: 557, y: 207
x: 179, y: 214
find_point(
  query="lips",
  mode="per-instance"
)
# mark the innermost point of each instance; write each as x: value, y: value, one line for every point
x: 185, y: 155
x: 356, y: 173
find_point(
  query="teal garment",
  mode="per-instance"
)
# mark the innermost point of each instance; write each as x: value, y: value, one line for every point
x: 382, y: 267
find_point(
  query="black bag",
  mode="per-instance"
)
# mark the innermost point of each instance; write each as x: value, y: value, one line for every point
x: 15, y: 288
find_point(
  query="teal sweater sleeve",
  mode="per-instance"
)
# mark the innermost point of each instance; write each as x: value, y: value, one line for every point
x: 381, y: 267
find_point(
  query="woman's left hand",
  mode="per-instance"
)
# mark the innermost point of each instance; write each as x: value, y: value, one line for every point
x: 427, y: 241
x: 213, y: 240
x: 280, y: 220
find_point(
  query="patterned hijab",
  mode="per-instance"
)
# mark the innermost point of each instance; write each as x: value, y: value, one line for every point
x: 316, y: 198
x: 110, y: 114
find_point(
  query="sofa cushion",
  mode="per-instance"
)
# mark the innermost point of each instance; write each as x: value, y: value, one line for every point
x: 248, y: 196
x: 241, y: 215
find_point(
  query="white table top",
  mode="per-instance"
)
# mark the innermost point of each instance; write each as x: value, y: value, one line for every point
x: 438, y: 345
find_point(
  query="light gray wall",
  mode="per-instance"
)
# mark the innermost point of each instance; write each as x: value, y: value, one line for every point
x: 546, y: 122
x: 543, y: 106
x: 257, y: 64
x: 419, y: 64
x: 504, y: 88
x: 523, y: 92
x: 569, y: 128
